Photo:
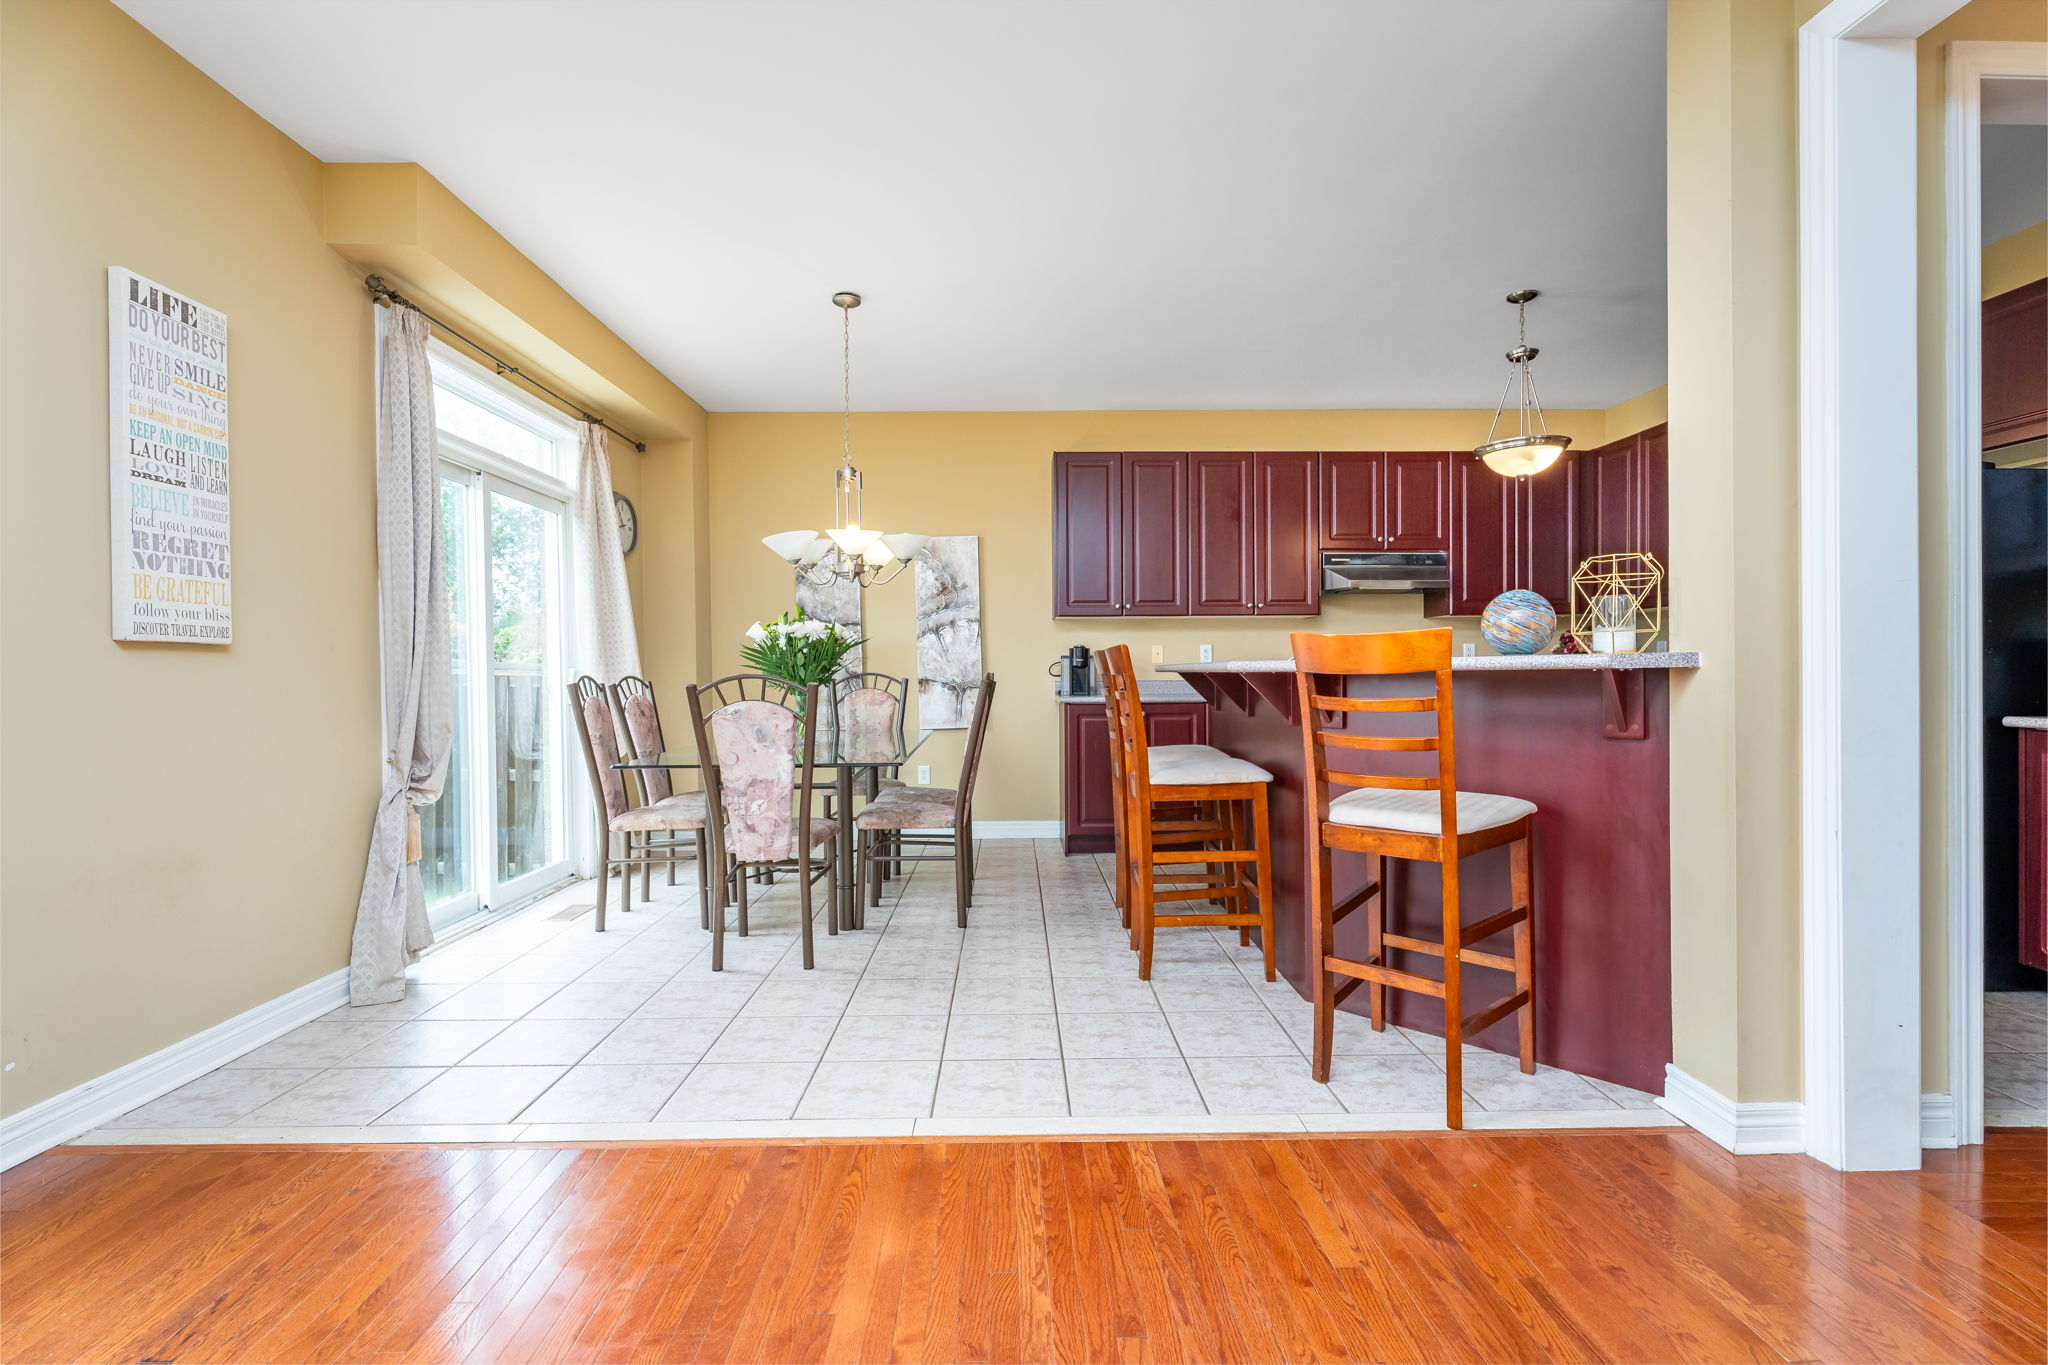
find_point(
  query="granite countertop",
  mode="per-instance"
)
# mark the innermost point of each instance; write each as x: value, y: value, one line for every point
x: 2027, y: 722
x: 1480, y: 663
x: 1160, y: 690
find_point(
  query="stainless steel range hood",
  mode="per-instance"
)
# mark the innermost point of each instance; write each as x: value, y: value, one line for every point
x: 1351, y: 571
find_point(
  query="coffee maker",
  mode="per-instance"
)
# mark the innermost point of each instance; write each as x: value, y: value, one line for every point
x: 1076, y: 671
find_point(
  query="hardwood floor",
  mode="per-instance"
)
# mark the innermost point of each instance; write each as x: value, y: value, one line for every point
x: 1640, y: 1246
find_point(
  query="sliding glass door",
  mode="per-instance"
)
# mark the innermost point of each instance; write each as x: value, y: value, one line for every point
x: 500, y: 832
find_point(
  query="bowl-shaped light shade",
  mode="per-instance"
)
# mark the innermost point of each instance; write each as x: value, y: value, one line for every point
x: 877, y: 555
x: 853, y: 539
x: 819, y: 547
x: 904, y: 545
x: 1519, y: 456
x: 790, y: 544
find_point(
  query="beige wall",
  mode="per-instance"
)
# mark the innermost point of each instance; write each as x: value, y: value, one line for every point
x: 2013, y: 261
x: 182, y: 828
x: 990, y: 474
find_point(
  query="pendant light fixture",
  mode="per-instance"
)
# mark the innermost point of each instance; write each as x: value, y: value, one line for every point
x: 848, y: 551
x: 1531, y: 450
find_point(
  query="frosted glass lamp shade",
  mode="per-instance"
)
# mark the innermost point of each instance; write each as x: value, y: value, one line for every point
x: 1519, y: 456
x: 877, y: 554
x: 819, y: 547
x: 790, y: 545
x: 853, y: 540
x: 904, y: 545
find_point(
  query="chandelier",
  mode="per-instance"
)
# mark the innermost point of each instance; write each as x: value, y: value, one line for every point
x: 848, y: 551
x: 1531, y: 450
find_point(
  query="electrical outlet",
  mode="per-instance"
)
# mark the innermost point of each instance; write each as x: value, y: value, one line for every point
x: 1208, y: 654
x: 1471, y: 650
x: 924, y: 774
x: 1159, y: 654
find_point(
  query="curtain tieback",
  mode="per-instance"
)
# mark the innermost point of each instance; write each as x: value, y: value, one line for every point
x: 412, y: 831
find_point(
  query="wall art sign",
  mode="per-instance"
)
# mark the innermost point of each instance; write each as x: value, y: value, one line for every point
x: 948, y: 631
x: 167, y: 439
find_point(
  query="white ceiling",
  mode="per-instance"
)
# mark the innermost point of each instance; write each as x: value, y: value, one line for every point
x: 1049, y: 204
x: 2015, y: 151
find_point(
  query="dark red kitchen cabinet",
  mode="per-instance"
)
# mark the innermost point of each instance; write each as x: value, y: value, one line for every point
x: 1087, y: 818
x: 1622, y: 497
x: 1087, y: 491
x: 1221, y: 558
x: 1153, y: 519
x: 2015, y: 366
x: 1287, y: 575
x: 1351, y: 499
x: 1546, y: 539
x: 1416, y: 501
x: 1482, y: 542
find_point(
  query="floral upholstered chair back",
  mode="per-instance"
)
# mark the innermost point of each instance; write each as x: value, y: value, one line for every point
x: 600, y: 745
x: 757, y: 743
x: 869, y: 725
x: 635, y: 697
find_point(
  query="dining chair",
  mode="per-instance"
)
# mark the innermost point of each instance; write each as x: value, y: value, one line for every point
x: 870, y: 709
x: 943, y: 817
x: 639, y: 720
x: 1422, y: 818
x: 1186, y: 825
x: 1241, y: 856
x: 758, y: 754
x: 619, y: 819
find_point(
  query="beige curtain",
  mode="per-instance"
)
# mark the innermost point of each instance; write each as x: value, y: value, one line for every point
x: 607, y: 648
x: 391, y: 916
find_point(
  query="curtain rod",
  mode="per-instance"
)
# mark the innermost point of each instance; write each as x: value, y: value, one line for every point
x: 384, y: 293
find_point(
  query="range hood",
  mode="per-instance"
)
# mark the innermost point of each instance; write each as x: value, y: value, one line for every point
x: 1383, y: 571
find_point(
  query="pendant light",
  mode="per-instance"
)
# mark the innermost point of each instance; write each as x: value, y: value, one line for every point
x: 1531, y: 450
x: 848, y: 551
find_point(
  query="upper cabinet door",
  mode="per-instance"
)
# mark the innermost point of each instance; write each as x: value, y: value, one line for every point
x: 1621, y: 497
x: 1482, y: 540
x: 1546, y: 540
x: 1155, y: 536
x: 1220, y: 553
x: 1288, y: 576
x: 1352, y: 482
x: 1415, y: 503
x: 2015, y: 366
x: 1087, y: 492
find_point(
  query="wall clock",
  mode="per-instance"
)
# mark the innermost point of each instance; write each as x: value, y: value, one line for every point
x: 629, y: 523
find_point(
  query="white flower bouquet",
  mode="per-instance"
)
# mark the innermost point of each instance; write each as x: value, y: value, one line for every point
x: 795, y: 647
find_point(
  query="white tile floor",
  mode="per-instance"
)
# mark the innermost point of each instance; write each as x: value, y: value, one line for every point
x: 2016, y: 1059
x: 1030, y: 1021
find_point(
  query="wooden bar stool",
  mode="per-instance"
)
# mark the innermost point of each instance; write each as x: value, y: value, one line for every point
x: 1406, y: 817
x: 1167, y: 830
x: 1240, y: 848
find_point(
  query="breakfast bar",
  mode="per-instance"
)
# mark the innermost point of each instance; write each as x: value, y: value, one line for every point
x: 1585, y: 737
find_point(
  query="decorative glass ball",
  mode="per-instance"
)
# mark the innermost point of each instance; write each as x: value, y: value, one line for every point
x: 1518, y: 622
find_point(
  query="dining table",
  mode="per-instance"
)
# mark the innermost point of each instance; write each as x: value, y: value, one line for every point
x: 845, y: 755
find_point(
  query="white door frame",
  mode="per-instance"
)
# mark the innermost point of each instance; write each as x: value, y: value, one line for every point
x: 1859, y: 580
x: 1965, y: 67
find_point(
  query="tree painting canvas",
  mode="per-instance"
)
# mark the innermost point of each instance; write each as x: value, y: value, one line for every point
x: 838, y: 602
x: 948, y: 631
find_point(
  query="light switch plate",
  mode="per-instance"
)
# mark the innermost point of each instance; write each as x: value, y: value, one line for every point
x: 1208, y: 654
x: 1159, y: 654
x: 924, y: 774
x: 1471, y: 650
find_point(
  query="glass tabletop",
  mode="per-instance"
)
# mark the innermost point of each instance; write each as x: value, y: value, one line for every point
x: 825, y: 755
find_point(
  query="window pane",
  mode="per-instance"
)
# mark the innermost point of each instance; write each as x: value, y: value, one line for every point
x: 458, y: 416
x: 524, y: 578
x: 444, y: 843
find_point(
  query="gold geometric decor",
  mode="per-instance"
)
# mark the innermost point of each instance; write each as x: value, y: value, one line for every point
x: 1617, y: 603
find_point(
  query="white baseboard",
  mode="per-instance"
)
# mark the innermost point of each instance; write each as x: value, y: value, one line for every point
x: 1017, y: 829
x: 1777, y: 1126
x: 85, y: 1107
x: 1746, y: 1129
x: 1937, y: 1121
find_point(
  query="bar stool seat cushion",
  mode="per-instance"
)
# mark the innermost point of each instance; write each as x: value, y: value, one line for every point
x: 1199, y: 765
x: 909, y: 808
x: 1411, y: 812
x: 684, y: 811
